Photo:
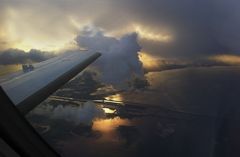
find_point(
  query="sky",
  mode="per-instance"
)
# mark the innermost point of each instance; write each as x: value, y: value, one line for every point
x: 164, y: 28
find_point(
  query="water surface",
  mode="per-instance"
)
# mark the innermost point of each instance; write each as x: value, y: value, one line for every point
x: 190, y: 112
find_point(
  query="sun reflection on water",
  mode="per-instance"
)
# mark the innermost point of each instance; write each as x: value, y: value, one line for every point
x: 108, y: 125
x: 108, y: 110
x: 116, y: 97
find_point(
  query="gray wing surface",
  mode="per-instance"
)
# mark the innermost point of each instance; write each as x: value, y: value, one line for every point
x: 24, y: 91
x: 28, y: 89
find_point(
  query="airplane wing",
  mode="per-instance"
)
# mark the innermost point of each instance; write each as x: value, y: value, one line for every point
x: 30, y: 88
x: 26, y: 90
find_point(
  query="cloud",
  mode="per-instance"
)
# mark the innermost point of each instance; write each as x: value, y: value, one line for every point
x: 15, y: 56
x: 197, y: 28
x: 226, y: 59
x: 77, y: 114
x: 119, y: 60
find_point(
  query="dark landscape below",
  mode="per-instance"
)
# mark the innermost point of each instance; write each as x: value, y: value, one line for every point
x: 187, y: 112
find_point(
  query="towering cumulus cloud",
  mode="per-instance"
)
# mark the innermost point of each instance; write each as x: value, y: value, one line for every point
x: 119, y: 60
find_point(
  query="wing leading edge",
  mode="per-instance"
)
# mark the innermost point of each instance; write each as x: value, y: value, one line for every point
x: 21, y: 94
x: 29, y: 89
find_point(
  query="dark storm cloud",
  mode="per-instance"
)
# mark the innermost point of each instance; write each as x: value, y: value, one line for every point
x: 199, y: 28
x: 15, y: 56
x: 119, y: 60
